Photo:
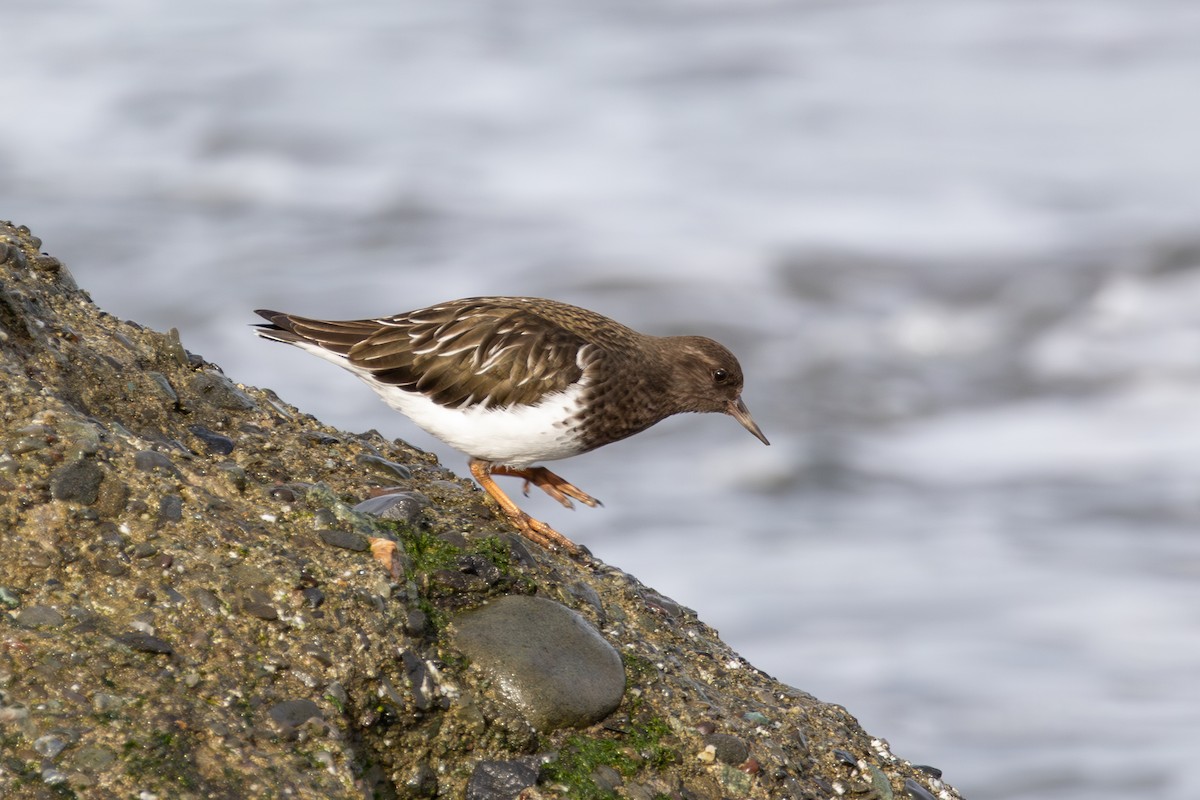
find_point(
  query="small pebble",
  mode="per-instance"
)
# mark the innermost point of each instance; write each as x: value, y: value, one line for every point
x: 249, y: 575
x: 475, y: 564
x: 39, y: 617
x: 53, y: 776
x: 103, y: 702
x: 845, y: 758
x: 110, y: 567
x: 154, y: 461
x: 422, y: 782
x: 256, y: 605
x: 606, y: 778
x: 284, y: 494
x: 319, y: 655
x: 337, y: 693
x: 31, y: 438
x: 347, y: 540
x: 917, y: 791
x: 219, y: 391
x: 94, y: 757
x: 215, y: 442
x: 207, y: 600
x: 402, y: 506
x: 294, y: 713
x: 234, y: 475
x: 496, y: 779
x: 384, y: 467
x: 420, y: 680
x: 145, y: 643
x: 417, y: 623
x: 170, y: 508
x: 163, y: 386
x: 728, y: 749
x: 313, y: 596
x: 78, y: 482
x: 49, y: 746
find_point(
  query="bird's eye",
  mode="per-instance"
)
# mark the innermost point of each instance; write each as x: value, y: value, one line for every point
x: 720, y: 375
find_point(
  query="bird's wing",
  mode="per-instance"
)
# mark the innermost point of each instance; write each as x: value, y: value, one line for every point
x: 479, y: 351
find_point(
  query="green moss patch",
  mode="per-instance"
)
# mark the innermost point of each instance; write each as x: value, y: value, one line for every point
x: 639, y: 748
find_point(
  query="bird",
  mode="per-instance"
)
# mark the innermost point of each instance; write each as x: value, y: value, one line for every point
x: 511, y: 381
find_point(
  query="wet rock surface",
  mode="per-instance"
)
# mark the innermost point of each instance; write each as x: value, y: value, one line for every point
x: 185, y: 611
x: 554, y: 667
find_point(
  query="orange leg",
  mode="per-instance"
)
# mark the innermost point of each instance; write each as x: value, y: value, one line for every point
x: 532, y: 529
x: 553, y: 485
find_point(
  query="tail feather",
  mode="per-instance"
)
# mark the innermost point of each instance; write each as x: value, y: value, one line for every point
x: 278, y: 329
x: 333, y: 336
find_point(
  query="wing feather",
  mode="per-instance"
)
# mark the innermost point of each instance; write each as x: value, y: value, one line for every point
x: 489, y: 351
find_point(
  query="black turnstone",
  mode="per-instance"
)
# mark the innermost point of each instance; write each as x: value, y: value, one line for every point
x: 515, y: 380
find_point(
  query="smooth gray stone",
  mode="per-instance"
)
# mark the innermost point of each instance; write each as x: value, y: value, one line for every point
x: 546, y: 660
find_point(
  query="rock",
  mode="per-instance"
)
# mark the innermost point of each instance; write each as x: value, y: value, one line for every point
x: 916, y: 791
x: 501, y: 780
x: 39, y: 617
x: 294, y: 713
x: 146, y: 643
x: 213, y: 442
x: 347, y: 540
x: 176, y: 629
x: 727, y: 748
x: 423, y: 782
x: 401, y: 506
x: 163, y: 386
x: 234, y: 475
x: 546, y: 659
x: 385, y: 467
x: 170, y: 508
x: 50, y: 745
x: 219, y: 391
x: 250, y: 575
x: 154, y: 461
x: 77, y: 483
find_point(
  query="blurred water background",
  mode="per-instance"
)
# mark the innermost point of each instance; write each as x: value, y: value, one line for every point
x: 955, y: 245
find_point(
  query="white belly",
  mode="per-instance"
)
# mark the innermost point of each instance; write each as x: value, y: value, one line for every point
x: 516, y: 436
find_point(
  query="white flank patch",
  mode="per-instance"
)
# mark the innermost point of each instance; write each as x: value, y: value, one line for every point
x: 516, y: 436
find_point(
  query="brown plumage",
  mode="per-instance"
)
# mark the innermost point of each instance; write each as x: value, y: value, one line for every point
x: 563, y: 380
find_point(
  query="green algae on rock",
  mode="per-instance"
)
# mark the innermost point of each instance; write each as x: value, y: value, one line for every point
x: 184, y: 611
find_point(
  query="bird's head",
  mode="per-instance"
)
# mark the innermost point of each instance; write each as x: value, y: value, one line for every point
x: 708, y: 378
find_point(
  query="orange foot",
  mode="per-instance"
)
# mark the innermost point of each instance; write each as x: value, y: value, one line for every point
x: 533, y: 529
x: 553, y: 485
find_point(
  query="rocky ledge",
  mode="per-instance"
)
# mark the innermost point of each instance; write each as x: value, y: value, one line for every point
x: 189, y: 609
